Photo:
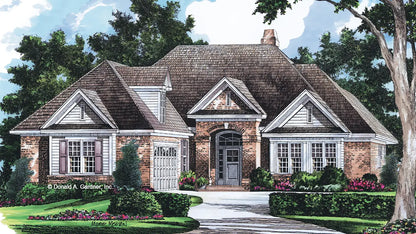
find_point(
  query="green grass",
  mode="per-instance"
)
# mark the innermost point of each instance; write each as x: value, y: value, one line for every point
x: 16, y: 218
x: 342, y: 224
x: 390, y: 194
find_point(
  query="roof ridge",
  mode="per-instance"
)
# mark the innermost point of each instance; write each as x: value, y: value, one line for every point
x: 137, y: 100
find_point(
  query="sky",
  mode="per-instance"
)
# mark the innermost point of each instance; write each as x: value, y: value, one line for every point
x: 216, y: 21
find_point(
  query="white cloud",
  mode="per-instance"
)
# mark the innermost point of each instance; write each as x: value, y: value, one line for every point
x: 232, y: 22
x: 353, y: 21
x: 80, y: 16
x: 15, y: 17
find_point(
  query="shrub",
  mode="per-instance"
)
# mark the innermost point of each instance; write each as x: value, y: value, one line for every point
x: 332, y: 204
x: 370, y: 177
x: 262, y: 178
x: 173, y: 204
x: 97, y: 189
x: 127, y: 173
x: 31, y: 190
x: 19, y: 177
x: 187, y: 180
x: 201, y: 181
x: 3, y: 194
x: 306, y: 180
x: 333, y: 175
x: 332, y: 188
x: 388, y: 175
x: 134, y: 203
x: 359, y: 185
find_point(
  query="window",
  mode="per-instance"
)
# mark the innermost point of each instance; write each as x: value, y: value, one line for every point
x: 228, y: 98
x: 324, y: 155
x: 317, y: 157
x: 381, y: 155
x: 331, y: 154
x: 185, y: 158
x: 296, y: 157
x: 283, y: 157
x: 81, y: 159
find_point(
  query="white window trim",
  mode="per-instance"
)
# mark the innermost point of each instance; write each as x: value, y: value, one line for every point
x: 306, y: 154
x: 81, y: 140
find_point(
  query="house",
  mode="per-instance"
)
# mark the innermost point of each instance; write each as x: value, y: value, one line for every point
x: 220, y: 110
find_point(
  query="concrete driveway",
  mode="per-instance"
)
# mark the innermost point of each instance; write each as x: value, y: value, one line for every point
x: 243, y: 212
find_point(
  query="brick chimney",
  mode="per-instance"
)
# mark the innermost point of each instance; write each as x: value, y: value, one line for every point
x: 270, y: 37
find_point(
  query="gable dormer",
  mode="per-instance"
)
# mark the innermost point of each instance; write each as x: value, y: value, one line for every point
x: 151, y: 84
x: 228, y: 97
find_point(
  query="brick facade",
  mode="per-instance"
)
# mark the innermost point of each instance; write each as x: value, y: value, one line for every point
x: 144, y: 152
x: 30, y: 149
x: 361, y: 158
x: 205, y: 149
x: 220, y: 103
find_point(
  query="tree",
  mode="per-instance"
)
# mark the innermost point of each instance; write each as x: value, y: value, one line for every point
x: 20, y: 176
x: 355, y: 64
x: 145, y: 39
x: 127, y: 173
x: 386, y: 18
x: 50, y: 67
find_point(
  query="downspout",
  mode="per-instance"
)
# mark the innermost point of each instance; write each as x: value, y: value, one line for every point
x: 209, y: 161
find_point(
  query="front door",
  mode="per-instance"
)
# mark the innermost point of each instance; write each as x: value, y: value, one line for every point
x: 228, y: 168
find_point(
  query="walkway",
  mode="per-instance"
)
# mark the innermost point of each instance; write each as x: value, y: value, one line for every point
x: 243, y: 212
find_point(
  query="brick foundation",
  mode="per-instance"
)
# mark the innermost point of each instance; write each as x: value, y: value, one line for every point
x: 60, y: 179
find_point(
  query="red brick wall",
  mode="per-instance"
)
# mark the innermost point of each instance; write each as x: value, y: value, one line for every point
x: 30, y: 149
x: 60, y: 179
x: 143, y: 151
x: 357, y: 159
x: 205, y: 150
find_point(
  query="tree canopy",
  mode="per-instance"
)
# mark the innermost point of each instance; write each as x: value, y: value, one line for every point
x: 145, y: 38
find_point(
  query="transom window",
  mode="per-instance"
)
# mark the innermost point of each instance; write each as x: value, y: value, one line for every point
x: 81, y: 156
x: 230, y: 139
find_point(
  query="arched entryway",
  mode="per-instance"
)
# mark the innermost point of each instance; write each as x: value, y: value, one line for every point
x: 228, y: 146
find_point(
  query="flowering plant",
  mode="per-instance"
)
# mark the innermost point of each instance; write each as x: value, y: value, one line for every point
x: 283, y: 185
x: 364, y: 185
x: 7, y: 203
x: 147, y: 189
x: 187, y: 180
x: 91, y: 215
x: 31, y: 201
x: 397, y: 227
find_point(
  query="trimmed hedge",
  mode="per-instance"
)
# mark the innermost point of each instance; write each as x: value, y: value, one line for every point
x: 332, y: 204
x: 173, y: 204
x: 134, y: 203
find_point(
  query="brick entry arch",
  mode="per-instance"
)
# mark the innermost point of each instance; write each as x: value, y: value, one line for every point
x: 228, y: 158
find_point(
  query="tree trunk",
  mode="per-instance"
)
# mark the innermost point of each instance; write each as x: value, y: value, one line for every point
x: 405, y: 196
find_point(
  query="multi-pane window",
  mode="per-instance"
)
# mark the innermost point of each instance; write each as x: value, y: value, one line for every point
x: 317, y: 157
x: 309, y: 110
x: 331, y: 154
x: 296, y: 157
x: 283, y: 157
x: 81, y: 159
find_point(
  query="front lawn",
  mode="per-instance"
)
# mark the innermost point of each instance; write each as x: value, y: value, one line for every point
x: 17, y: 219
